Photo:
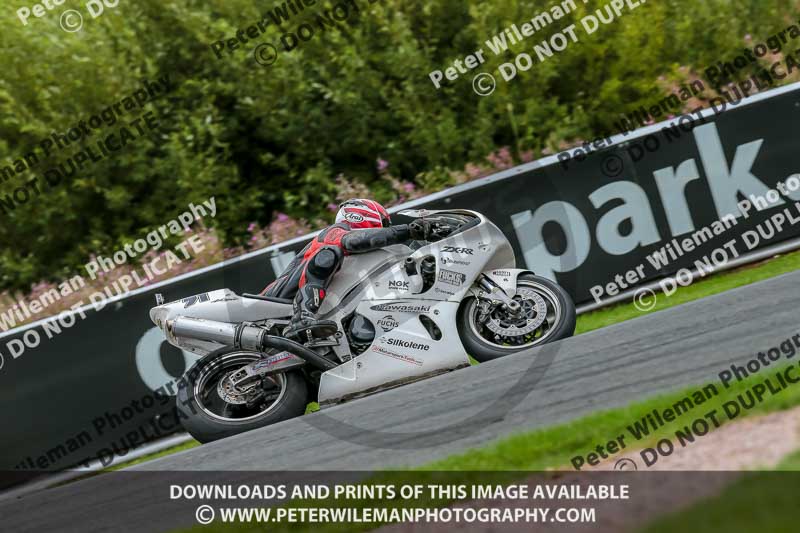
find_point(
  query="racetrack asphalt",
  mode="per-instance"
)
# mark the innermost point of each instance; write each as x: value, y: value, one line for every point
x: 420, y: 422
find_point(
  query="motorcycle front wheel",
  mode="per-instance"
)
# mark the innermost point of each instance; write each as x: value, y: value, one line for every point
x: 547, y: 314
x: 211, y: 408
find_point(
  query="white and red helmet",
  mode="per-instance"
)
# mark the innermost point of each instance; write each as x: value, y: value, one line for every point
x: 359, y: 213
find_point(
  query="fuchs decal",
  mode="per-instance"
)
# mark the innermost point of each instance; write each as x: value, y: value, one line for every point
x: 452, y: 278
x: 456, y: 250
x: 388, y: 323
x: 402, y: 307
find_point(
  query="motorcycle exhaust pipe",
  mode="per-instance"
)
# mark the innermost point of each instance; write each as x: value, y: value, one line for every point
x: 243, y: 337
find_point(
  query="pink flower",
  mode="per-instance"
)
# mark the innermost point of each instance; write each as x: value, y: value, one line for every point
x: 473, y: 170
x: 333, y: 207
x: 747, y: 37
x: 409, y: 187
x: 283, y: 217
x: 253, y: 238
x: 252, y: 227
x: 382, y: 165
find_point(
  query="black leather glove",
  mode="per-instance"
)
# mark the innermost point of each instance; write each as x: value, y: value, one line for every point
x: 420, y: 230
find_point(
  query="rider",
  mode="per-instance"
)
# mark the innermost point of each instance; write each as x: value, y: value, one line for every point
x: 361, y: 226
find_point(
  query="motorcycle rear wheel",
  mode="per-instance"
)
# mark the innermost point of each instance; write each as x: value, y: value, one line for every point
x: 210, y: 410
x: 557, y: 320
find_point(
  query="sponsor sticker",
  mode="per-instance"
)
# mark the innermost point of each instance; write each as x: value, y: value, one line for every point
x: 457, y: 250
x: 402, y: 307
x: 269, y: 361
x: 407, y: 344
x: 191, y: 300
x: 398, y: 285
x: 452, y: 278
x: 353, y: 217
x: 405, y: 358
x: 388, y: 323
x: 451, y: 261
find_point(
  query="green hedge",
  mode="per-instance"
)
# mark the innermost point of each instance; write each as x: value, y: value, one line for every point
x: 264, y: 139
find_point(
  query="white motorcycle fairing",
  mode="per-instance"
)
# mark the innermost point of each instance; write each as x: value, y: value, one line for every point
x: 416, y: 332
x: 221, y: 305
x: 404, y: 349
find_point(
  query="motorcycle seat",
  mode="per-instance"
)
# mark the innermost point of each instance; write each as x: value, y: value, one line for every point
x: 285, y: 301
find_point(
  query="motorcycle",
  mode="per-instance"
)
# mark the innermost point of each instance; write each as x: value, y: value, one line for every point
x: 404, y: 313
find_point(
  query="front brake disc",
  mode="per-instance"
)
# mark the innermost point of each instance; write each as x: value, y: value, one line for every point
x: 534, y: 311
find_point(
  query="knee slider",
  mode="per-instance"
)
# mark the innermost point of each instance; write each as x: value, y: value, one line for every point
x: 325, y: 262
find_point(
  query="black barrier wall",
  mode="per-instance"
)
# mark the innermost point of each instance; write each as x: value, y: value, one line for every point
x: 105, y: 385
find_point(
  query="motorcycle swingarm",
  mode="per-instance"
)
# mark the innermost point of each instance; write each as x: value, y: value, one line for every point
x: 255, y: 371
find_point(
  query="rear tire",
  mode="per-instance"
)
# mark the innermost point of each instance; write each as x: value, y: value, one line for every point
x: 208, y: 417
x: 560, y: 311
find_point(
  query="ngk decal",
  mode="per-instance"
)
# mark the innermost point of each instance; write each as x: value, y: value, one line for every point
x: 398, y: 285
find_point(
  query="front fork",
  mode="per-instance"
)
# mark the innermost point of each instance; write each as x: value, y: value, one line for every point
x: 492, y: 295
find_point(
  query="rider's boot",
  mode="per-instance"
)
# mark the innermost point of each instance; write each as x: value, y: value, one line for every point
x: 305, y: 326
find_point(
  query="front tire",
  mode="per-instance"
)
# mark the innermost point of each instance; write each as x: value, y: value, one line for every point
x: 548, y: 311
x: 207, y: 416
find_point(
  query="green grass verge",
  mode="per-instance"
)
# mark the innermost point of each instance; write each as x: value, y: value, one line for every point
x: 555, y: 446
x: 163, y: 453
x: 759, y: 501
x: 714, y: 284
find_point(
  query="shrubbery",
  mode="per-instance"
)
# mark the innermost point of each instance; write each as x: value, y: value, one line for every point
x: 264, y: 140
